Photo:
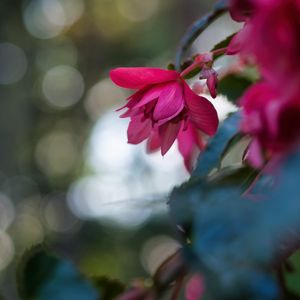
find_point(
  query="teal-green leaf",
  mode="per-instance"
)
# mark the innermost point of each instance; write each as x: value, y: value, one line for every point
x: 45, y: 277
x: 210, y: 158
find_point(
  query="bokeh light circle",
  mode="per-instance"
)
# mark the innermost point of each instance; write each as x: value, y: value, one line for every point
x: 63, y: 86
x: 13, y: 63
x: 46, y: 19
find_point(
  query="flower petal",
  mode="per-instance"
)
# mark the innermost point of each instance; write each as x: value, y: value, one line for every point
x: 202, y: 113
x: 195, y: 288
x: 138, y: 130
x: 170, y: 102
x: 153, y: 143
x: 136, y: 78
x: 189, y: 143
x: 152, y: 94
x: 254, y: 154
x: 168, y: 134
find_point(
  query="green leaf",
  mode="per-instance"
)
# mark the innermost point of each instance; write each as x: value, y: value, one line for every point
x: 171, y: 67
x: 240, y: 176
x: 293, y: 278
x: 224, y: 43
x: 210, y: 158
x: 233, y: 86
x: 192, y: 73
x: 45, y: 277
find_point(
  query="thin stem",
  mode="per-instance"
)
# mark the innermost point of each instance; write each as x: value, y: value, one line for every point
x: 197, y: 28
x: 219, y: 51
x: 189, y: 69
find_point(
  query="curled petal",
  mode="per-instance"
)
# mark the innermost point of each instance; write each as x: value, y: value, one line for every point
x: 137, y: 78
x: 168, y: 134
x: 202, y: 113
x: 170, y: 102
x: 138, y: 130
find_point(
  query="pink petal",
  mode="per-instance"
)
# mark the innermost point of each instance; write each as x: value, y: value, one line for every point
x: 150, y: 95
x: 272, y: 113
x: 168, y: 134
x: 136, y: 78
x: 212, y: 82
x: 194, y: 288
x: 138, y: 130
x: 202, y: 113
x: 153, y: 143
x: 189, y: 143
x: 238, y: 41
x: 254, y: 155
x: 170, y: 102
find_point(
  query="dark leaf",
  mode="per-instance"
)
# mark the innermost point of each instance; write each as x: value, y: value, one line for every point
x: 109, y: 288
x: 223, y: 43
x: 233, y: 86
x: 45, y: 277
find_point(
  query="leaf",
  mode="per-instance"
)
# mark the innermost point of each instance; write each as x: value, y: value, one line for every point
x: 223, y: 43
x: 210, y: 158
x: 232, y: 142
x: 240, y: 176
x: 293, y: 278
x: 45, y: 277
x: 235, y: 240
x: 193, y: 73
x: 233, y: 86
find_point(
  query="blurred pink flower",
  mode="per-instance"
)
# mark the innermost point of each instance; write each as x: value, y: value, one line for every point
x: 195, y: 288
x: 240, y: 10
x: 271, y: 119
x: 164, y: 108
x: 271, y: 36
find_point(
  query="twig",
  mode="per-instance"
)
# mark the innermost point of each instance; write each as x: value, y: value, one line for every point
x: 197, y: 28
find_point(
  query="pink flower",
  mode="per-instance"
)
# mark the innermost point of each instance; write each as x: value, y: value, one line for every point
x: 272, y: 37
x: 163, y: 109
x: 240, y: 10
x: 195, y: 288
x: 271, y: 119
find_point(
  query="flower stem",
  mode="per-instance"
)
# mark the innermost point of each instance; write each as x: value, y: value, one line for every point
x: 196, y: 29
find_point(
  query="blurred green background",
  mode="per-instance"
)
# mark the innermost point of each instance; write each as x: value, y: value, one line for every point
x: 67, y: 176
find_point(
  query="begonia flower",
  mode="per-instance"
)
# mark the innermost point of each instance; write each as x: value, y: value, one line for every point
x: 164, y: 109
x: 272, y: 37
x: 272, y: 121
x: 241, y: 10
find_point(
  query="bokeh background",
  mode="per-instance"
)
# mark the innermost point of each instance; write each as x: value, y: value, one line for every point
x: 68, y: 178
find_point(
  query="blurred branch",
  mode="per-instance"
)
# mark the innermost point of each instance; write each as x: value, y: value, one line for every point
x: 197, y: 28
